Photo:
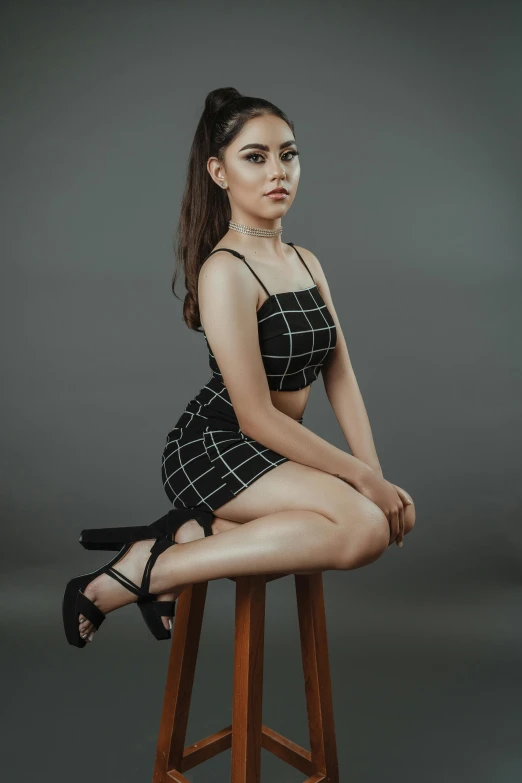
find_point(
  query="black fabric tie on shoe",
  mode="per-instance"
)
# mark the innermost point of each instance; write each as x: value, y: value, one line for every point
x: 158, y: 547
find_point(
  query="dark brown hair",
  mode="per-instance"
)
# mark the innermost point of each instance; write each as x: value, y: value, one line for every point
x: 205, y: 209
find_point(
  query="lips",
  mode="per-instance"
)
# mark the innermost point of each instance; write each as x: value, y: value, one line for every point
x: 277, y: 190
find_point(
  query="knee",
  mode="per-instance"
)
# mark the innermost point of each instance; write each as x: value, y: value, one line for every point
x: 364, y: 542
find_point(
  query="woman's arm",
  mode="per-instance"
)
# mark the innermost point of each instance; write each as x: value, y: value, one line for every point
x: 227, y: 300
x: 341, y: 384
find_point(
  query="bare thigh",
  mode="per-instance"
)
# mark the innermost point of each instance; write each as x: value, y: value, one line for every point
x: 294, y: 486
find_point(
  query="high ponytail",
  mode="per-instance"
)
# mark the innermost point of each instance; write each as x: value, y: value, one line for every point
x: 205, y: 208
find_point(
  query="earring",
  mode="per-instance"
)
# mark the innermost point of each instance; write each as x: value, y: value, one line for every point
x: 223, y: 184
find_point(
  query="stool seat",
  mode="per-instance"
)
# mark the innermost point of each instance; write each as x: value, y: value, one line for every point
x: 247, y: 734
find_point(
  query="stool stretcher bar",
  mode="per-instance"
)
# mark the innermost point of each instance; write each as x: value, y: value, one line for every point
x: 247, y: 735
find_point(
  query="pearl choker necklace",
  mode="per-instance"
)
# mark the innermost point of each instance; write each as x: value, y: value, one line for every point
x: 257, y: 232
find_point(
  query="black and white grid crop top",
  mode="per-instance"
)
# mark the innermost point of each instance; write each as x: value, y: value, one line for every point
x: 296, y: 334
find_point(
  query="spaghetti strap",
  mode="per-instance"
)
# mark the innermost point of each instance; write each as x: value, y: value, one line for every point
x: 301, y: 257
x: 234, y: 252
x: 264, y: 286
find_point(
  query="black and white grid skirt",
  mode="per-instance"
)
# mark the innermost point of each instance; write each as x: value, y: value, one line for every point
x: 207, y: 459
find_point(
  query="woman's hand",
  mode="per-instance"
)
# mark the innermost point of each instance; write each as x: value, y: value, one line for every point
x: 390, y: 498
x: 407, y: 501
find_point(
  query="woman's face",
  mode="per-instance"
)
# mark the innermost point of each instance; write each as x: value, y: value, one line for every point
x: 260, y: 159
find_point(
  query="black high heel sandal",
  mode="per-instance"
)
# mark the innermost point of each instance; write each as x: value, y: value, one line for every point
x: 76, y: 603
x: 113, y: 538
x: 120, y: 539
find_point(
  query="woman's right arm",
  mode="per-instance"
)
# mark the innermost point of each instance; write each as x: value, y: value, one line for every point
x: 283, y: 434
x: 227, y: 294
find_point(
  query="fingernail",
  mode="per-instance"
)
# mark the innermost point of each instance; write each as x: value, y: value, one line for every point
x: 401, y: 543
x: 90, y: 636
x: 170, y: 624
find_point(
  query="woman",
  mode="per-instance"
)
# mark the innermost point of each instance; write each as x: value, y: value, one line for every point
x: 264, y: 493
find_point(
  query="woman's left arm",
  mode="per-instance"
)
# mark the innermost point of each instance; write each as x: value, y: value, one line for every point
x: 341, y: 384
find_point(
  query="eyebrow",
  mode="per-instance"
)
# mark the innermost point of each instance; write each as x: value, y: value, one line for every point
x: 265, y: 147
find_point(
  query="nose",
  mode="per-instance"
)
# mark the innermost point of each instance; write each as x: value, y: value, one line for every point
x: 279, y: 171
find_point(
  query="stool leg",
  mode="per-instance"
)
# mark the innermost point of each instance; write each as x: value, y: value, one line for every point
x: 248, y: 679
x: 316, y: 668
x: 180, y: 679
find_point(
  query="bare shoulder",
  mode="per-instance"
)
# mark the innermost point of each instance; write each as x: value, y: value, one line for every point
x: 313, y: 264
x: 225, y: 283
x: 224, y: 270
x: 219, y: 263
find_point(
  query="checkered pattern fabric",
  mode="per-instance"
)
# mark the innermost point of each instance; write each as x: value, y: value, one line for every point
x: 297, y: 334
x: 207, y: 459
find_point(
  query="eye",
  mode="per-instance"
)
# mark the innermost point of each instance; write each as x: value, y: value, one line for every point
x: 294, y: 154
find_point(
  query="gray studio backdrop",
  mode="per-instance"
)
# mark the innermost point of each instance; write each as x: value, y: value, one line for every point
x: 409, y: 124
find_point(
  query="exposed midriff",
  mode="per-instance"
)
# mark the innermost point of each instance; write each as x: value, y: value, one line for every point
x: 292, y: 403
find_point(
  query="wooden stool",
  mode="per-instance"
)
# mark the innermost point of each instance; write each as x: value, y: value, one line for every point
x: 247, y: 734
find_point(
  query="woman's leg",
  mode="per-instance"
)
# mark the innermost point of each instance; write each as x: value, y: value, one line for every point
x: 324, y: 524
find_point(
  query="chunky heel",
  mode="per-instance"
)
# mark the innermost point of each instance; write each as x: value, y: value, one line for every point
x: 121, y: 539
x: 113, y: 538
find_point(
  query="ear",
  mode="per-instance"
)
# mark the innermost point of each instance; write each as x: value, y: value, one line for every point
x: 216, y: 170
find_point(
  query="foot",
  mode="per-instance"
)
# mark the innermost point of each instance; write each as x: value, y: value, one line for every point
x: 108, y: 594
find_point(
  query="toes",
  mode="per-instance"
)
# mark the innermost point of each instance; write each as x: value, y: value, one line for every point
x: 87, y: 634
x: 167, y: 622
x: 85, y: 627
